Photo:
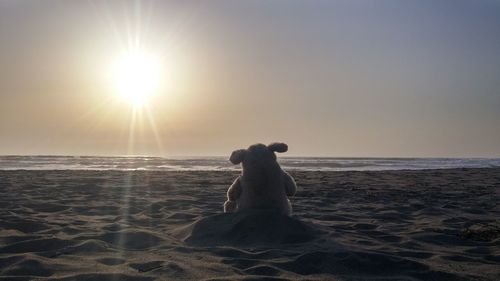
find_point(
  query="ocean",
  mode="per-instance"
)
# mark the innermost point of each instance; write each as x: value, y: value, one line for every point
x: 13, y: 162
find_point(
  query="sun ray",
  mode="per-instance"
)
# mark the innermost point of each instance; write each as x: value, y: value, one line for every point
x: 154, y: 128
x: 131, y: 132
x: 110, y: 21
x: 138, y: 21
x: 140, y: 124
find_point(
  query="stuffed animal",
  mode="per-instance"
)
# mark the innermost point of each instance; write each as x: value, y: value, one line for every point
x: 262, y: 183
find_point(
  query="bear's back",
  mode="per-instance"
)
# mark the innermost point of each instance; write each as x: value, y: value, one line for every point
x: 263, y: 190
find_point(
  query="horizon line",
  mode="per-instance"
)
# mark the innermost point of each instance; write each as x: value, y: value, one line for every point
x: 225, y: 156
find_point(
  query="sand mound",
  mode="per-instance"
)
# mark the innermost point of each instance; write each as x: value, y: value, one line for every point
x: 111, y: 261
x: 30, y: 267
x: 132, y: 240
x: 482, y: 231
x: 36, y: 245
x: 355, y: 263
x: 105, y: 277
x: 247, y: 228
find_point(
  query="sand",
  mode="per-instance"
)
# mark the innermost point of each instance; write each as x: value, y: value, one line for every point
x: 117, y: 225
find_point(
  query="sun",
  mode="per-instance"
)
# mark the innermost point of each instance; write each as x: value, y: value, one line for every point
x: 136, y: 74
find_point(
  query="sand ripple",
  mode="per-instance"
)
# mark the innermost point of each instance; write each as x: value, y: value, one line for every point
x: 110, y: 225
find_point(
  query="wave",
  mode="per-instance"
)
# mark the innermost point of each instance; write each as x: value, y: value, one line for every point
x: 52, y: 162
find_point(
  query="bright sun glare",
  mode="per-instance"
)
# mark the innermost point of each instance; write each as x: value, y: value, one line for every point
x: 137, y: 75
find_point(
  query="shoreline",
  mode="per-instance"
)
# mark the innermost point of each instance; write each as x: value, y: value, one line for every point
x: 238, y: 169
x: 223, y: 164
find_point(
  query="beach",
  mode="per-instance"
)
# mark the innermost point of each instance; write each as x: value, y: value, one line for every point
x: 440, y: 224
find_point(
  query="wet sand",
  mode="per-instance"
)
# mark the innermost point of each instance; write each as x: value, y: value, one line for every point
x: 116, y: 225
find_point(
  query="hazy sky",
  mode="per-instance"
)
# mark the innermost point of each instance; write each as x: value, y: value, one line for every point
x: 330, y: 78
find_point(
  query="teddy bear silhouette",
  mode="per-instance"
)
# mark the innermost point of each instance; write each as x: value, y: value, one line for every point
x: 262, y: 183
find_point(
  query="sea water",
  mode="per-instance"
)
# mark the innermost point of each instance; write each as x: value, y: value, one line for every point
x: 13, y: 162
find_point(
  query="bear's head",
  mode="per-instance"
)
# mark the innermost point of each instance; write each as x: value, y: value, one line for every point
x: 258, y: 155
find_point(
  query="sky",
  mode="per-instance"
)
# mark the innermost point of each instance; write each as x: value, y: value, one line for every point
x: 330, y: 78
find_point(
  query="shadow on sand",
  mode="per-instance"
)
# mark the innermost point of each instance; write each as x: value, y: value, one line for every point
x: 247, y: 228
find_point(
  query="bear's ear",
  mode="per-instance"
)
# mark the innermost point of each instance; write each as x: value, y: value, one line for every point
x: 237, y: 156
x: 278, y: 147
